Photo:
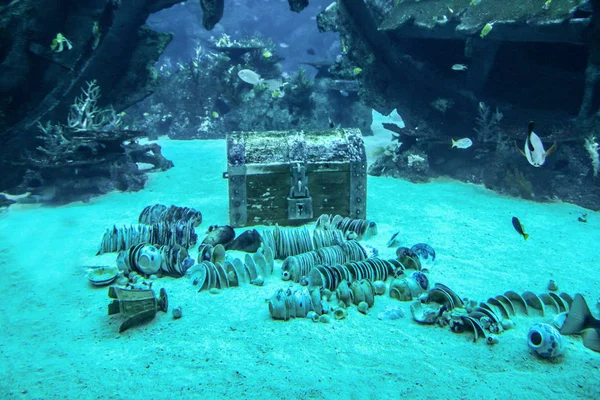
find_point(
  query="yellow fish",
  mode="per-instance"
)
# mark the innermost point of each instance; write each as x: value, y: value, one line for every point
x: 487, y: 28
x: 519, y: 227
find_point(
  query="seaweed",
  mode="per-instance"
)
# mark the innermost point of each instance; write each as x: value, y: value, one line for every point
x: 517, y: 183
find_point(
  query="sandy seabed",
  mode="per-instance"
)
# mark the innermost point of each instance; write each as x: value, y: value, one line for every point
x: 57, y: 340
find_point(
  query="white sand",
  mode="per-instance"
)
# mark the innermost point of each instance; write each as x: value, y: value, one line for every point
x: 57, y: 340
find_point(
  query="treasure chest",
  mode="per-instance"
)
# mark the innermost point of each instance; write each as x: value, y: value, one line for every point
x: 292, y: 177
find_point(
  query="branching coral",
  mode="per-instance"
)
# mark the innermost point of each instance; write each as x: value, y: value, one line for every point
x: 592, y: 148
x: 488, y: 128
x: 85, y: 115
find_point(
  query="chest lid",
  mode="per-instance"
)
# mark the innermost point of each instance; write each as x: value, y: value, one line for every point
x: 304, y: 146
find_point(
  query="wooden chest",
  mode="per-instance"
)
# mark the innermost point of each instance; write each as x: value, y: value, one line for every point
x: 292, y: 177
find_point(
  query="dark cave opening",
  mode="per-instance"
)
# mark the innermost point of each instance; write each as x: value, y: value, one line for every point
x: 541, y: 76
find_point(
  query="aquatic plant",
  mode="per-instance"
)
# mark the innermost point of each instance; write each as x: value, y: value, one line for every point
x: 516, y: 182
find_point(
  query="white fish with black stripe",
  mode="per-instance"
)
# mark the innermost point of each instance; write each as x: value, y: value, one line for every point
x: 534, y: 150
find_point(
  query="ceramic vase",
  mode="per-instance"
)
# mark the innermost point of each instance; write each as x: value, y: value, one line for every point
x: 545, y: 340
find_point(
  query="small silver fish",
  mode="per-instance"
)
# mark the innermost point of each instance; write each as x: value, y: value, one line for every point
x: 284, y: 45
x: 459, y: 67
x: 249, y: 76
x: 463, y: 143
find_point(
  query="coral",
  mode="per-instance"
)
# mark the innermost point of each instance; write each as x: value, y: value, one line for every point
x: 414, y: 158
x: 191, y: 93
x: 591, y: 147
x: 442, y: 105
x: 264, y: 61
x: 488, y: 128
x: 85, y: 115
x: 224, y: 41
x: 298, y: 93
x: 89, y: 155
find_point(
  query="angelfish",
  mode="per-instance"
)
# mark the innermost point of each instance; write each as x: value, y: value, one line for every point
x: 534, y: 149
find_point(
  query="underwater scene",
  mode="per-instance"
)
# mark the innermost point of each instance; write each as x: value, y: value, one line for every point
x: 300, y: 199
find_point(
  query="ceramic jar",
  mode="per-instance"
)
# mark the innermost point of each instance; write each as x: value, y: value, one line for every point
x: 545, y: 340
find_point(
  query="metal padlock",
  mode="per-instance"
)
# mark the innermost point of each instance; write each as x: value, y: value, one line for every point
x: 299, y: 200
x: 300, y: 208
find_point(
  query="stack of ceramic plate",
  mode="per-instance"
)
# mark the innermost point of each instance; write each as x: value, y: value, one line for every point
x: 512, y: 303
x: 354, y: 251
x: 214, y: 254
x: 287, y: 242
x: 161, y: 213
x: 269, y: 257
x: 329, y: 277
x: 363, y: 228
x: 297, y: 267
x: 287, y: 303
x: 160, y: 234
x: 207, y: 275
x: 220, y: 272
x: 181, y: 233
x: 118, y: 239
x: 269, y: 239
x: 374, y: 269
x: 176, y: 260
x: 328, y: 238
x: 355, y: 292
